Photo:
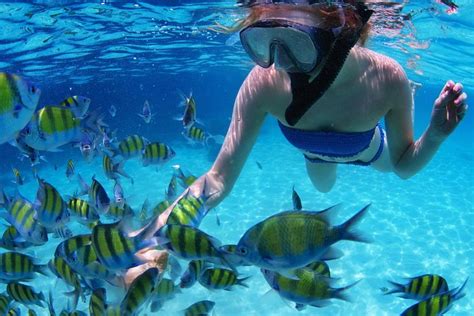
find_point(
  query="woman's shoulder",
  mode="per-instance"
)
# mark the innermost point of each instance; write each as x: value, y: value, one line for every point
x: 384, y: 66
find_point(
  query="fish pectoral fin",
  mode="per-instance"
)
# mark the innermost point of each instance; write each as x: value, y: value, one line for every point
x: 331, y: 253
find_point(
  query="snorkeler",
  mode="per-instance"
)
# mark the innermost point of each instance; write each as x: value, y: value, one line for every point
x: 328, y: 94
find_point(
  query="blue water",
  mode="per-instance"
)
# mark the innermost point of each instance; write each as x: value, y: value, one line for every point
x: 421, y: 225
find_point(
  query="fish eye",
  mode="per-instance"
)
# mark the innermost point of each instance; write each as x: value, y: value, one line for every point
x: 33, y: 89
x: 86, y: 147
x: 242, y: 250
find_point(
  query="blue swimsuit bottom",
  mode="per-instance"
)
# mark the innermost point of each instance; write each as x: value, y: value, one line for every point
x: 333, y: 144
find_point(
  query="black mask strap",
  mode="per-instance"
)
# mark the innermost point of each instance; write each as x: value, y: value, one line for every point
x: 306, y: 93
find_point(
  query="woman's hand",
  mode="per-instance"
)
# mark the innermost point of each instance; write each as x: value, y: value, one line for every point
x: 448, y: 110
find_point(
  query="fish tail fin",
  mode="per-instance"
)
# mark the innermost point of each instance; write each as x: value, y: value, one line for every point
x: 397, y: 288
x: 341, y: 294
x: 118, y: 168
x: 94, y: 122
x: 242, y: 281
x: 458, y: 292
x: 347, y: 231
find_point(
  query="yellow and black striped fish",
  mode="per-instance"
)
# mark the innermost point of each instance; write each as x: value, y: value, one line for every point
x: 117, y: 211
x: 24, y: 294
x: 189, y: 210
x: 139, y: 292
x: 4, y: 304
x: 85, y: 262
x: 192, y: 274
x: 18, y: 101
x: 420, y: 287
x: 188, y: 242
x: 156, y: 154
x: 185, y: 178
x: 437, y: 304
x: 31, y: 312
x: 77, y: 104
x: 97, y: 303
x: 132, y: 146
x: 63, y: 270
x: 98, y: 197
x: 83, y: 210
x: 52, y: 211
x: 16, y: 266
x: 165, y: 289
x: 319, y: 267
x: 13, y: 311
x: 52, y: 127
x: 160, y: 207
x: 68, y: 246
x: 220, y: 279
x: 200, y: 308
x: 195, y: 134
x: 114, y: 249
x: 10, y: 239
x: 22, y: 215
x: 112, y: 170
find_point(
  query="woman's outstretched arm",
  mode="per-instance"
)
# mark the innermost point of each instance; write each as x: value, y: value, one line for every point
x: 409, y: 156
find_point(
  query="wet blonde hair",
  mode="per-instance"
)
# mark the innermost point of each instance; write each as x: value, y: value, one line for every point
x: 329, y: 15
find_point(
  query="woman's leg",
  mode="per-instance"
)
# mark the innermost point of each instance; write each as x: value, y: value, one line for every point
x: 322, y: 175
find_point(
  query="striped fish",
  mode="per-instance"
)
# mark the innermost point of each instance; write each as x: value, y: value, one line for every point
x: 319, y: 267
x: 157, y: 154
x: 113, y: 170
x: 4, y: 304
x: 63, y: 270
x: 139, y: 292
x: 15, y: 266
x: 307, y: 288
x: 420, y: 287
x: 192, y: 274
x: 132, y: 146
x: 195, y: 135
x: 24, y: 294
x: 220, y: 279
x: 70, y: 169
x: 97, y: 303
x: 307, y: 238
x: 31, y: 312
x: 18, y: 101
x: 10, y: 239
x: 190, y: 210
x: 52, y: 211
x: 52, y: 127
x: 82, y: 210
x: 437, y: 304
x: 160, y: 207
x: 200, y: 308
x: 189, y: 243
x: 77, y: 104
x: 113, y: 311
x: 117, y: 211
x: 85, y: 262
x: 68, y: 246
x: 114, y: 249
x: 19, y: 180
x: 165, y: 290
x: 185, y: 178
x: 98, y: 197
x: 22, y: 215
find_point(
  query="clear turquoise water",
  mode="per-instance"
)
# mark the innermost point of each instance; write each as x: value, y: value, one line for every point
x: 421, y: 225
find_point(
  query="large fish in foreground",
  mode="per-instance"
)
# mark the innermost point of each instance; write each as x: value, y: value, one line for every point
x: 293, y: 239
x: 18, y: 101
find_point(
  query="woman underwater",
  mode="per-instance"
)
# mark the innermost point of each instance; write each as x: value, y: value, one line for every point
x: 328, y: 94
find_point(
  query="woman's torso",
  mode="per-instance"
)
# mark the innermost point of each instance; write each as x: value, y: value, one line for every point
x: 353, y: 105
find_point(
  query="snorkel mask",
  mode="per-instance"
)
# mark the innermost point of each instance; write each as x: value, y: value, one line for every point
x: 295, y: 47
x: 301, y: 48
